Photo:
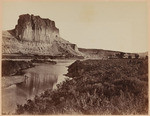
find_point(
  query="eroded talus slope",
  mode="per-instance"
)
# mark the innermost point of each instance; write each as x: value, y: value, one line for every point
x: 35, y: 35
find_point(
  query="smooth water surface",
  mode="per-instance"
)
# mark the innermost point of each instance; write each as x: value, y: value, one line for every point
x: 38, y: 79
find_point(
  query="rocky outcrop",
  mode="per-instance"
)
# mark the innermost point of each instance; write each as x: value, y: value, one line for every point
x: 36, y: 35
x: 35, y: 29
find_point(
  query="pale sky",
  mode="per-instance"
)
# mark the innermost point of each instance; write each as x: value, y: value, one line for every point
x: 121, y: 26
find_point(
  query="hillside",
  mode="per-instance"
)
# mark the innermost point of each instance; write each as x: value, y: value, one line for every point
x: 105, y: 54
x: 36, y: 35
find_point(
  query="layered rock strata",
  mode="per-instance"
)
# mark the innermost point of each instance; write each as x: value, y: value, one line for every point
x: 36, y: 35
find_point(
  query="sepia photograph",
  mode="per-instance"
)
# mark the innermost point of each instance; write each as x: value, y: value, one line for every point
x: 85, y: 57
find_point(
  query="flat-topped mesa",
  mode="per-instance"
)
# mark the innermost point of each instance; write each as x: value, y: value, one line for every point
x: 34, y: 28
x: 37, y: 36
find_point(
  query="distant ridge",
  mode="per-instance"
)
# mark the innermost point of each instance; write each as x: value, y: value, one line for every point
x: 104, y: 54
x: 34, y: 35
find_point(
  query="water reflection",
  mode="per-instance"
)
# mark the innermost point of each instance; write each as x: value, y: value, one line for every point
x: 37, y: 83
x: 38, y: 79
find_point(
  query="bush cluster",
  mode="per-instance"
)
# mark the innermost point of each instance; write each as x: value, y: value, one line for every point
x: 114, y: 86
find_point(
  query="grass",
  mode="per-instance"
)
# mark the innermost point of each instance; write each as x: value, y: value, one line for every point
x: 114, y: 86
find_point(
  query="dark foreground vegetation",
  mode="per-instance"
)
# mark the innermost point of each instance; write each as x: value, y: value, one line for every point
x: 114, y: 86
x: 10, y: 67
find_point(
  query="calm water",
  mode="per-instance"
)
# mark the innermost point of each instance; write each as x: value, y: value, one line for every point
x: 40, y: 78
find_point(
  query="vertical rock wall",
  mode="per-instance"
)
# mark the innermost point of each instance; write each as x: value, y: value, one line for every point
x: 34, y: 28
x: 36, y: 35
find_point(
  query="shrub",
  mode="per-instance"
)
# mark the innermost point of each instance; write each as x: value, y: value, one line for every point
x: 116, y: 86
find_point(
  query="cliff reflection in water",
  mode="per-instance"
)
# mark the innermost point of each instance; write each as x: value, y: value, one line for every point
x: 38, y: 79
x: 37, y: 83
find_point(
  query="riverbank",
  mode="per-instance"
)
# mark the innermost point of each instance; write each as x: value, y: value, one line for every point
x: 41, y: 77
x: 32, y: 56
x: 43, y: 61
x: 14, y: 67
x: 12, y: 71
x: 115, y: 86
x: 10, y: 67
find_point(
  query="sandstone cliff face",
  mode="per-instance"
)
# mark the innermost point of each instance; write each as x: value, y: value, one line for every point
x: 33, y: 28
x: 34, y: 35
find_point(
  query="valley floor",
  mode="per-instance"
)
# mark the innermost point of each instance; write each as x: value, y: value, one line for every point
x: 113, y: 86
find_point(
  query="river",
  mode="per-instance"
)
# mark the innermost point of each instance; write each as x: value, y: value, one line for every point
x: 39, y: 78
